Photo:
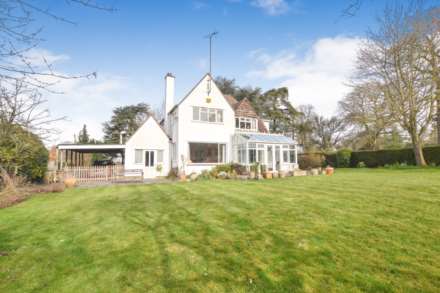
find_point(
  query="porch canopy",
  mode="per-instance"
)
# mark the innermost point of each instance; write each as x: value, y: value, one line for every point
x: 275, y: 151
x: 73, y: 154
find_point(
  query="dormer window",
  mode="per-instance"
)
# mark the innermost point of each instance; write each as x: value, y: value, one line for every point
x: 245, y: 123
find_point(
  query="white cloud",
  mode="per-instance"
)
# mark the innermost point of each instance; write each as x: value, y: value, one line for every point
x: 83, y: 100
x: 319, y: 78
x: 272, y: 7
x: 39, y: 58
x: 90, y: 102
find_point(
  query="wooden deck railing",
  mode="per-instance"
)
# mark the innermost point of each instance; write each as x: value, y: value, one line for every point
x: 114, y: 173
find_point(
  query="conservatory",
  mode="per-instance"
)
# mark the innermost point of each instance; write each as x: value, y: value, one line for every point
x: 276, y: 152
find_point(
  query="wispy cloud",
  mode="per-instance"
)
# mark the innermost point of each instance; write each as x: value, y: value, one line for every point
x: 198, y: 4
x: 83, y: 100
x: 272, y: 7
x: 318, y: 78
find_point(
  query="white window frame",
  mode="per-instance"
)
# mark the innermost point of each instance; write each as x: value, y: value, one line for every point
x: 252, y: 122
x: 198, y: 112
x: 159, y: 158
x: 221, y: 153
x: 136, y: 152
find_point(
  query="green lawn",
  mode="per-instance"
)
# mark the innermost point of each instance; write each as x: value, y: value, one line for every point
x: 359, y: 230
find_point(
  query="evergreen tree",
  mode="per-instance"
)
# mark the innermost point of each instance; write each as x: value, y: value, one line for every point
x: 83, y: 136
x: 125, y: 118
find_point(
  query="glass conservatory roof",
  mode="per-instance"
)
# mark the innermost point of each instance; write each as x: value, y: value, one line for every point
x: 268, y: 138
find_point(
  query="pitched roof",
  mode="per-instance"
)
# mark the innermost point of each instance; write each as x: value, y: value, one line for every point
x: 244, y: 109
x: 146, y: 120
x: 231, y: 100
x: 184, y: 98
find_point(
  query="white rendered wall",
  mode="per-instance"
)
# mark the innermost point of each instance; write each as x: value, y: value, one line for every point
x: 203, y: 132
x: 148, y: 137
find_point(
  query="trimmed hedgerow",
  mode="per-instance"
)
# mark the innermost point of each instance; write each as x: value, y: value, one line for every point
x: 382, y: 158
x: 343, y: 158
x: 404, y: 156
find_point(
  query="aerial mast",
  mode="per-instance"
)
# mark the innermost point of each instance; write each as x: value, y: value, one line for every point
x: 210, y: 37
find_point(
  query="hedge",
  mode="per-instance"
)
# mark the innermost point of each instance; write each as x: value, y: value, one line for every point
x: 381, y: 158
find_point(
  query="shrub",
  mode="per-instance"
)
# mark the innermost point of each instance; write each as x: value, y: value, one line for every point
x: 23, y: 153
x: 343, y: 158
x: 331, y: 159
x: 311, y: 160
x: 205, y: 175
x: 239, y: 169
x: 361, y: 165
x: 223, y: 168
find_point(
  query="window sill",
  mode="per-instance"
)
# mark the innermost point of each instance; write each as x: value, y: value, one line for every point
x: 204, y: 164
x: 207, y: 122
x: 245, y: 130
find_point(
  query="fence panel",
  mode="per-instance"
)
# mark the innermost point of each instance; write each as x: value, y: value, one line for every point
x: 112, y: 173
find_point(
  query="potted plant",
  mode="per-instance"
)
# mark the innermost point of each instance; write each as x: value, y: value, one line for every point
x: 182, y: 175
x: 254, y: 170
x: 266, y: 174
x: 70, y: 182
x: 159, y: 168
x: 329, y: 170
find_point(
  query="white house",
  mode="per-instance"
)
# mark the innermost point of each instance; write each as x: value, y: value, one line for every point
x: 204, y: 129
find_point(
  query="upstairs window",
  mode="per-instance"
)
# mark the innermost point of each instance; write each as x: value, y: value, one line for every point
x: 207, y: 115
x: 245, y: 123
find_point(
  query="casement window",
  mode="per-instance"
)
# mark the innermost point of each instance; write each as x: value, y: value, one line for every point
x: 149, y: 159
x: 292, y: 154
x: 160, y: 156
x: 245, y: 123
x: 207, y: 153
x: 252, y: 153
x: 207, y: 114
x: 289, y: 154
x: 138, y: 156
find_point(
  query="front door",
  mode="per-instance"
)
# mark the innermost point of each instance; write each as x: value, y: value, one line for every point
x: 150, y: 164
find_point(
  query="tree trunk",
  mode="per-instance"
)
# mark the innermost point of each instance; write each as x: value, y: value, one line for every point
x: 418, y: 153
x: 438, y: 118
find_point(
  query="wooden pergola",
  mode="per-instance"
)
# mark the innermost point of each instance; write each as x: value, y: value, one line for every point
x: 74, y: 153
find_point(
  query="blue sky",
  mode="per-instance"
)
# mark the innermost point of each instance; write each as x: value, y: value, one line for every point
x: 305, y: 45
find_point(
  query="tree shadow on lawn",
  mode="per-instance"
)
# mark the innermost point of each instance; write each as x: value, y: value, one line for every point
x: 225, y: 252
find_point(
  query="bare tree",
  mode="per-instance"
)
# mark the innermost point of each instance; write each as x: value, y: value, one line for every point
x: 392, y: 58
x: 364, y: 108
x: 328, y: 132
x: 304, y: 125
x: 20, y: 33
x: 427, y: 29
x: 24, y: 106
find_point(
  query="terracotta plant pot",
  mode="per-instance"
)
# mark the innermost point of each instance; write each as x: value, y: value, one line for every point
x: 329, y: 171
x: 182, y: 177
x: 70, y: 182
x: 268, y: 175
